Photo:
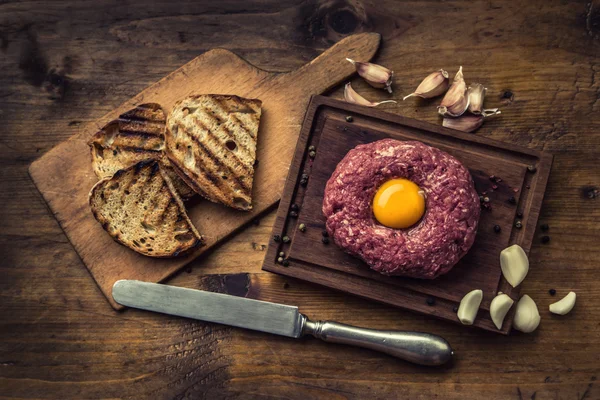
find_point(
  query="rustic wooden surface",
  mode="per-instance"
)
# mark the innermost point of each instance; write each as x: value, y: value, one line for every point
x: 327, y: 129
x: 65, y: 64
x: 64, y: 175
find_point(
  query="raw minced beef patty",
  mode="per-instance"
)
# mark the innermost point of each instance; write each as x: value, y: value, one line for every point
x: 426, y: 250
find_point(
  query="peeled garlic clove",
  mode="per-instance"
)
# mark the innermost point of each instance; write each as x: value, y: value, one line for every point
x: 456, y: 100
x: 565, y: 305
x: 376, y: 75
x: 351, y: 96
x: 476, y: 95
x: 469, y: 123
x: 433, y: 85
x: 527, y: 317
x: 514, y: 264
x: 499, y: 308
x: 469, y: 305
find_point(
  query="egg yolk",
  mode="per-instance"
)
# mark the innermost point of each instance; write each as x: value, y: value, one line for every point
x: 399, y: 203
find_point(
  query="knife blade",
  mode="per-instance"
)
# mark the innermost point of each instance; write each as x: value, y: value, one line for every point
x: 279, y: 319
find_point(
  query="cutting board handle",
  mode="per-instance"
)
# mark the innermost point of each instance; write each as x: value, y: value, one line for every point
x: 331, y: 67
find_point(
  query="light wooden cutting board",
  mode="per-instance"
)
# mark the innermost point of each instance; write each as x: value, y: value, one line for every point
x: 64, y: 175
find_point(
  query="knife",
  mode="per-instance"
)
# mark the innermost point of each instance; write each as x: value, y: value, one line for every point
x: 279, y: 319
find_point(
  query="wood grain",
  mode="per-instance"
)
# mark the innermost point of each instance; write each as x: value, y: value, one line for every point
x: 65, y: 64
x: 64, y: 175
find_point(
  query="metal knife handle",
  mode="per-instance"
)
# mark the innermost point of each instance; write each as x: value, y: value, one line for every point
x: 416, y: 347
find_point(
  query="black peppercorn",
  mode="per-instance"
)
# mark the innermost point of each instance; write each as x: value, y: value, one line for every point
x: 294, y: 207
x: 544, y: 227
x: 552, y: 292
x: 493, y: 178
x: 520, y: 214
x: 286, y: 239
x: 497, y: 228
x: 430, y: 301
x: 325, y: 240
x: 276, y: 238
x: 531, y: 168
x: 455, y: 309
x: 285, y: 263
x: 304, y: 176
x: 481, y: 199
x: 512, y: 200
x: 349, y: 119
x: 518, y: 224
x: 303, y: 182
x: 545, y: 239
x: 325, y: 234
x: 293, y: 214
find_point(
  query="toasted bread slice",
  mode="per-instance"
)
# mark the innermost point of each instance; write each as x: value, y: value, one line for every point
x: 211, y: 142
x: 140, y: 209
x: 136, y: 136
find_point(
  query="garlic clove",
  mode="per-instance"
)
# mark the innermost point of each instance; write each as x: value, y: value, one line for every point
x: 351, y: 96
x: 435, y: 84
x: 376, y: 75
x: 565, y: 305
x: 527, y: 317
x: 514, y: 264
x: 469, y: 123
x: 499, y: 308
x: 476, y: 95
x: 456, y: 100
x: 469, y: 305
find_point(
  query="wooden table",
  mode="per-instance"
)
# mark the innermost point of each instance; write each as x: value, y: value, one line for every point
x: 67, y: 63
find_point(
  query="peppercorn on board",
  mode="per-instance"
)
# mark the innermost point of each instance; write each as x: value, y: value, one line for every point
x: 64, y: 175
x: 512, y: 178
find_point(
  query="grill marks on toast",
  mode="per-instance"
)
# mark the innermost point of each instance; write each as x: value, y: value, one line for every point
x: 137, y: 135
x: 140, y: 209
x: 211, y: 140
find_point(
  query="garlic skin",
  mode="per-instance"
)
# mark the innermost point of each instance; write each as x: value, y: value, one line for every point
x: 565, y: 305
x: 377, y: 76
x: 469, y: 305
x: 435, y: 84
x: 499, y: 308
x: 351, y: 96
x: 527, y: 317
x: 476, y: 95
x: 456, y: 100
x: 514, y: 264
x: 469, y: 123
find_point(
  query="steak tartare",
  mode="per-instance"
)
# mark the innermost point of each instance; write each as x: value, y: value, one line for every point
x: 427, y: 249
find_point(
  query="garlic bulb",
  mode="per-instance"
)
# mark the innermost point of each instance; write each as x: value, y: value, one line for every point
x: 456, y: 100
x: 469, y: 305
x: 435, y: 84
x: 499, y: 308
x: 565, y: 305
x: 527, y: 317
x: 351, y: 96
x: 375, y: 75
x: 514, y: 264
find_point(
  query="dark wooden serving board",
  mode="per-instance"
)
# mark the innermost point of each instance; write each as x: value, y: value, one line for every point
x: 64, y: 175
x: 326, y: 128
